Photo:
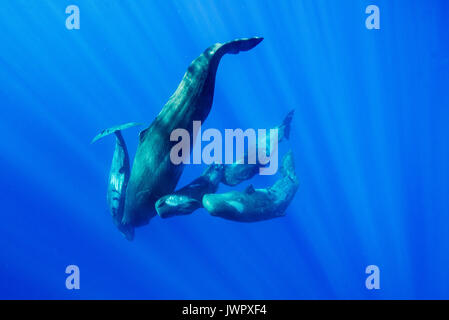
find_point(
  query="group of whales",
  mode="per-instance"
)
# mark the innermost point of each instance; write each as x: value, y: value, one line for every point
x: 135, y: 196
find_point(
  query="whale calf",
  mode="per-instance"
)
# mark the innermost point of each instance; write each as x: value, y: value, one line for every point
x: 256, y: 204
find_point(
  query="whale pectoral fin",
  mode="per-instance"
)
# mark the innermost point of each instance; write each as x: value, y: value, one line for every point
x: 250, y: 189
x: 142, y: 134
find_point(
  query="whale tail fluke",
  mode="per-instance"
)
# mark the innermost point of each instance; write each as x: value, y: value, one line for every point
x: 218, y: 50
x: 114, y: 129
x: 285, y: 127
x: 286, y: 124
x: 238, y: 45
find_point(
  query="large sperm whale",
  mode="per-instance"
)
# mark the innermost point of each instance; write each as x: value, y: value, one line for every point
x: 153, y: 174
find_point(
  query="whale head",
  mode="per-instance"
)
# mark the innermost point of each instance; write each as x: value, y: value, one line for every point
x: 224, y: 204
x: 174, y: 204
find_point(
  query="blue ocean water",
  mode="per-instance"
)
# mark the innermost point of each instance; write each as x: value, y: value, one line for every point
x: 369, y: 136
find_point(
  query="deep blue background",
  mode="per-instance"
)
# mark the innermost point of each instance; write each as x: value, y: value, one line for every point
x: 370, y: 138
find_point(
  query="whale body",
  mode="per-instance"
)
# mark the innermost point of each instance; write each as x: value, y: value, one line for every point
x: 118, y: 177
x: 254, y: 205
x: 153, y: 175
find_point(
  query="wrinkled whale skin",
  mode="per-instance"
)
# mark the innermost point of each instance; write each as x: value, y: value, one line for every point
x: 153, y: 175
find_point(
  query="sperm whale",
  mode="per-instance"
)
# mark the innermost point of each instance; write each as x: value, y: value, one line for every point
x: 256, y: 204
x: 118, y: 177
x: 153, y: 174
